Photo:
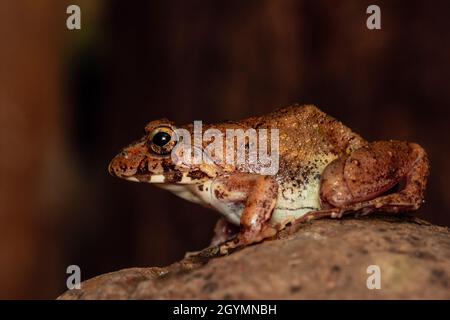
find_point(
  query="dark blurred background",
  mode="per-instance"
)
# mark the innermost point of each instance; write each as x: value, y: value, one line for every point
x: 69, y: 100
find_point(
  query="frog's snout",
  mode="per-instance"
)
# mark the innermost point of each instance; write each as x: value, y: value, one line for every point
x: 119, y: 168
x: 124, y: 165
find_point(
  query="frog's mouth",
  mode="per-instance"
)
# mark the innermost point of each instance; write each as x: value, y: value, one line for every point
x: 135, y: 166
x: 175, y: 177
x: 134, y: 174
x: 172, y: 177
x: 157, y: 178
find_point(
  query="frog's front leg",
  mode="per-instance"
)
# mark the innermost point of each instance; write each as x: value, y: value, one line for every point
x: 253, y: 197
x: 388, y: 176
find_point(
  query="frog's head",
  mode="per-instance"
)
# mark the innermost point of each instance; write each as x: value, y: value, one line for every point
x: 155, y: 158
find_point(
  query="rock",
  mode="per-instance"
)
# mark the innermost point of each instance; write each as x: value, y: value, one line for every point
x: 322, y: 259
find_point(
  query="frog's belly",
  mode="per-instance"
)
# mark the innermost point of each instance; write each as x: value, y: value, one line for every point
x: 292, y: 203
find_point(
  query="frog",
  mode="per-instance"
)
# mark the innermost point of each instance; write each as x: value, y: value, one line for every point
x: 325, y: 170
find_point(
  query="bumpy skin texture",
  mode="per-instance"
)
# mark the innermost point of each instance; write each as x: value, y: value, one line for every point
x: 325, y: 169
x: 359, y: 181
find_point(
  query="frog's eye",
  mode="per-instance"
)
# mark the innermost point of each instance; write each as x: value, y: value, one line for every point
x: 162, y: 140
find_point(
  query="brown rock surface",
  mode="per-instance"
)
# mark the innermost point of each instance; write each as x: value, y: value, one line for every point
x: 323, y: 259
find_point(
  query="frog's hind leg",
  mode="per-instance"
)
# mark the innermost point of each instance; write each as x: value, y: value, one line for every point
x: 387, y: 176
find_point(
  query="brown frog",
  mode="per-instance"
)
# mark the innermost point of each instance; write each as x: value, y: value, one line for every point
x: 323, y: 170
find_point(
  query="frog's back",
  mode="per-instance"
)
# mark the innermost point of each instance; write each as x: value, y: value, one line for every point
x: 307, y: 128
x: 309, y: 140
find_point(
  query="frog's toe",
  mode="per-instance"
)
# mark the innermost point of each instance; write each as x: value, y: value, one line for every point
x: 230, y: 246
